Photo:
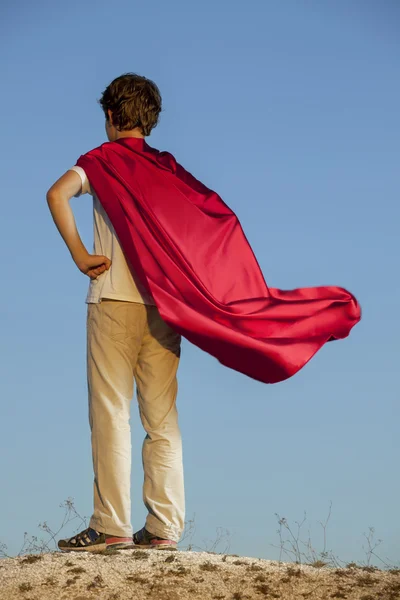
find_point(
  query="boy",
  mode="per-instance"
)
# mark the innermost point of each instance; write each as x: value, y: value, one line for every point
x: 127, y: 340
x: 171, y: 259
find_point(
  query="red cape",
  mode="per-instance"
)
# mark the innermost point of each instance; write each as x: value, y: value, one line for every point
x: 189, y: 251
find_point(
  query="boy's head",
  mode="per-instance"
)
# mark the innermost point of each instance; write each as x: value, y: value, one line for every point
x: 131, y: 105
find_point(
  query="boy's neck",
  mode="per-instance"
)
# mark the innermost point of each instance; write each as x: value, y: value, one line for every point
x: 131, y: 133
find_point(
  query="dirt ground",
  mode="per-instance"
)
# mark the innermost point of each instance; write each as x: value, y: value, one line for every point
x: 182, y: 575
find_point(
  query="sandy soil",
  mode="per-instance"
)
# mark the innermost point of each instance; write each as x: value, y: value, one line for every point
x: 181, y: 575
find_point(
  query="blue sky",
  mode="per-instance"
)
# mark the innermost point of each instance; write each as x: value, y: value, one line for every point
x: 290, y: 111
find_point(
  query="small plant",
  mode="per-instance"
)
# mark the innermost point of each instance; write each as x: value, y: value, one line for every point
x: 50, y: 581
x: 207, y: 566
x: 393, y: 589
x: 136, y: 579
x: 302, y: 551
x: 31, y: 558
x: 170, y: 559
x: 365, y: 580
x: 222, y: 537
x: 372, y: 544
x: 341, y: 573
x: 253, y: 567
x: 33, y: 544
x: 140, y: 555
x: 96, y: 583
x: 293, y: 572
x: 180, y: 571
x: 264, y: 588
x: 69, y: 563
x: 77, y: 570
x: 25, y: 587
x: 318, y: 564
x: 110, y: 551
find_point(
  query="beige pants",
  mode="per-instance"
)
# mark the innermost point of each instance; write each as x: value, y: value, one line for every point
x: 127, y: 341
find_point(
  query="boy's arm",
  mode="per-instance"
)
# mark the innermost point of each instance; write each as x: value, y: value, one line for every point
x: 58, y: 199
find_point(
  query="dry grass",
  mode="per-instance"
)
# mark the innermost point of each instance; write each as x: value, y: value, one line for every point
x: 31, y: 558
x: 38, y: 573
x: 207, y: 566
x: 77, y: 570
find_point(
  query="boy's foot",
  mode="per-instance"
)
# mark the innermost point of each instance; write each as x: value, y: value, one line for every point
x: 145, y: 539
x: 90, y: 540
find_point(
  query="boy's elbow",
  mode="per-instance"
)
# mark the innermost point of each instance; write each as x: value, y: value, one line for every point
x: 53, y: 196
x: 50, y: 194
x: 67, y: 186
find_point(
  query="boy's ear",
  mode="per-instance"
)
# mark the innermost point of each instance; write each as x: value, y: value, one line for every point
x: 110, y: 116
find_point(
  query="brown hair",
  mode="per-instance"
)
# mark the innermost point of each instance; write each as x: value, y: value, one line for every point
x: 134, y: 101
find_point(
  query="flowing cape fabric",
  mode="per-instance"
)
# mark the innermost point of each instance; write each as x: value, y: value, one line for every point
x: 189, y: 251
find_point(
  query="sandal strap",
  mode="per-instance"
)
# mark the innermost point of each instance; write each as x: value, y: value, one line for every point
x: 141, y: 536
x: 84, y: 538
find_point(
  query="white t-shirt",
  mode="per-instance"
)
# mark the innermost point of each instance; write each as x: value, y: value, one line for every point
x: 117, y: 283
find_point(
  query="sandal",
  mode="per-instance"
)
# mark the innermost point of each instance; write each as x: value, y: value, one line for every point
x: 145, y: 539
x: 90, y: 540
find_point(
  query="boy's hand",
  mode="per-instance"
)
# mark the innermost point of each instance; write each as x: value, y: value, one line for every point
x: 93, y: 265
